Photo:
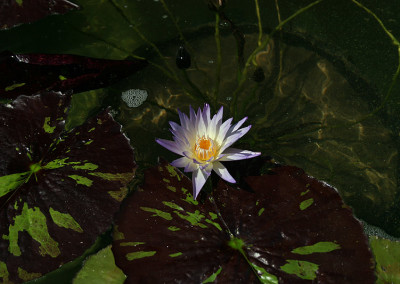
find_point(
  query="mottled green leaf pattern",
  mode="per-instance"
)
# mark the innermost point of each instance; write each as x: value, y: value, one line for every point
x: 237, y: 236
x: 56, y: 192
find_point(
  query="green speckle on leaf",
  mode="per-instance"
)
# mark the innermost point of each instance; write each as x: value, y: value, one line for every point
x: 172, y: 205
x: 172, y: 188
x: 4, y: 272
x: 88, y: 142
x: 82, y: 180
x: 11, y: 182
x: 117, y: 235
x: 12, y: 87
x: 173, y: 228
x: 264, y: 276
x: 304, y: 192
x: 166, y: 180
x: 91, y: 129
x: 214, y: 223
x: 212, y: 276
x: 158, y: 213
x: 55, y: 164
x: 301, y: 268
x: 123, y: 177
x: 261, y: 211
x: 213, y: 215
x: 172, y: 172
x: 86, y: 166
x: 26, y: 276
x: 46, y: 126
x: 139, y: 254
x: 317, y: 247
x: 236, y: 243
x: 189, y: 197
x: 131, y: 244
x: 193, y: 218
x: 62, y: 78
x: 175, y: 254
x: 65, y: 220
x: 33, y: 221
x: 118, y: 195
x: 35, y: 167
x: 306, y: 203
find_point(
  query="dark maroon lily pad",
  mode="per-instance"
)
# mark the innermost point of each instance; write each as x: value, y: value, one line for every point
x: 16, y: 12
x: 27, y: 74
x: 291, y: 229
x: 58, y: 190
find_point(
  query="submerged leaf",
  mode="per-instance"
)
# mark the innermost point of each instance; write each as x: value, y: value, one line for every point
x: 238, y: 236
x: 62, y: 187
x: 387, y: 257
x: 16, y: 12
x: 26, y: 74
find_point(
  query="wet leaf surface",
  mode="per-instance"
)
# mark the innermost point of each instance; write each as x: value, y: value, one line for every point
x: 26, y: 74
x: 100, y: 268
x: 16, y: 12
x: 59, y: 189
x: 291, y: 229
x: 387, y: 256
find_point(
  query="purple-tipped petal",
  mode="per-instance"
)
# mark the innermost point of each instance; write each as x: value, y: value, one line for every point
x: 181, y: 162
x: 170, y: 145
x: 223, y: 130
x: 237, y: 125
x: 229, y: 140
x: 199, y: 178
x: 223, y: 172
x: 233, y: 154
x: 190, y: 167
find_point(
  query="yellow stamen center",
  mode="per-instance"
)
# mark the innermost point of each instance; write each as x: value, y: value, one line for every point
x: 205, y: 148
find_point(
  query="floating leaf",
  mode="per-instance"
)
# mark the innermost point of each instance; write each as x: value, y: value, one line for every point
x: 59, y: 189
x: 100, y: 268
x: 16, y: 12
x: 238, y: 236
x: 28, y: 74
x: 387, y: 257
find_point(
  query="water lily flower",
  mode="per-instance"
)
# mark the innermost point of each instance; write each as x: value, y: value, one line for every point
x: 204, y: 143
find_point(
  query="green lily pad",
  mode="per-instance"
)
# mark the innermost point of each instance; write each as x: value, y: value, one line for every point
x: 387, y: 257
x: 235, y: 236
x: 59, y: 189
x: 100, y: 268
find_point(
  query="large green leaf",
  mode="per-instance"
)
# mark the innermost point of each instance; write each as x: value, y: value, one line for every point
x: 291, y: 229
x: 387, y: 256
x: 59, y: 190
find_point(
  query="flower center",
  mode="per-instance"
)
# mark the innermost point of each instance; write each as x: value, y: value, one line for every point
x: 205, y: 148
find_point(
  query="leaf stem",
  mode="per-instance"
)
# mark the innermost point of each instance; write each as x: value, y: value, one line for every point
x: 260, y: 32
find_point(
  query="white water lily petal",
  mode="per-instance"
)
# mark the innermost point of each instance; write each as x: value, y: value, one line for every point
x: 170, y: 145
x: 229, y: 140
x: 223, y: 172
x: 199, y: 178
x: 204, y: 142
x: 233, y: 154
x: 181, y: 162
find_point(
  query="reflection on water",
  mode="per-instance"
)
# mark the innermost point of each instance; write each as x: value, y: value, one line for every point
x: 304, y: 112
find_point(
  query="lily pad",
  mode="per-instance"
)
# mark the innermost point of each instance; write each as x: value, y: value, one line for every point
x: 59, y: 189
x: 26, y: 74
x: 100, y: 268
x: 16, y: 12
x: 291, y: 229
x: 387, y: 256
